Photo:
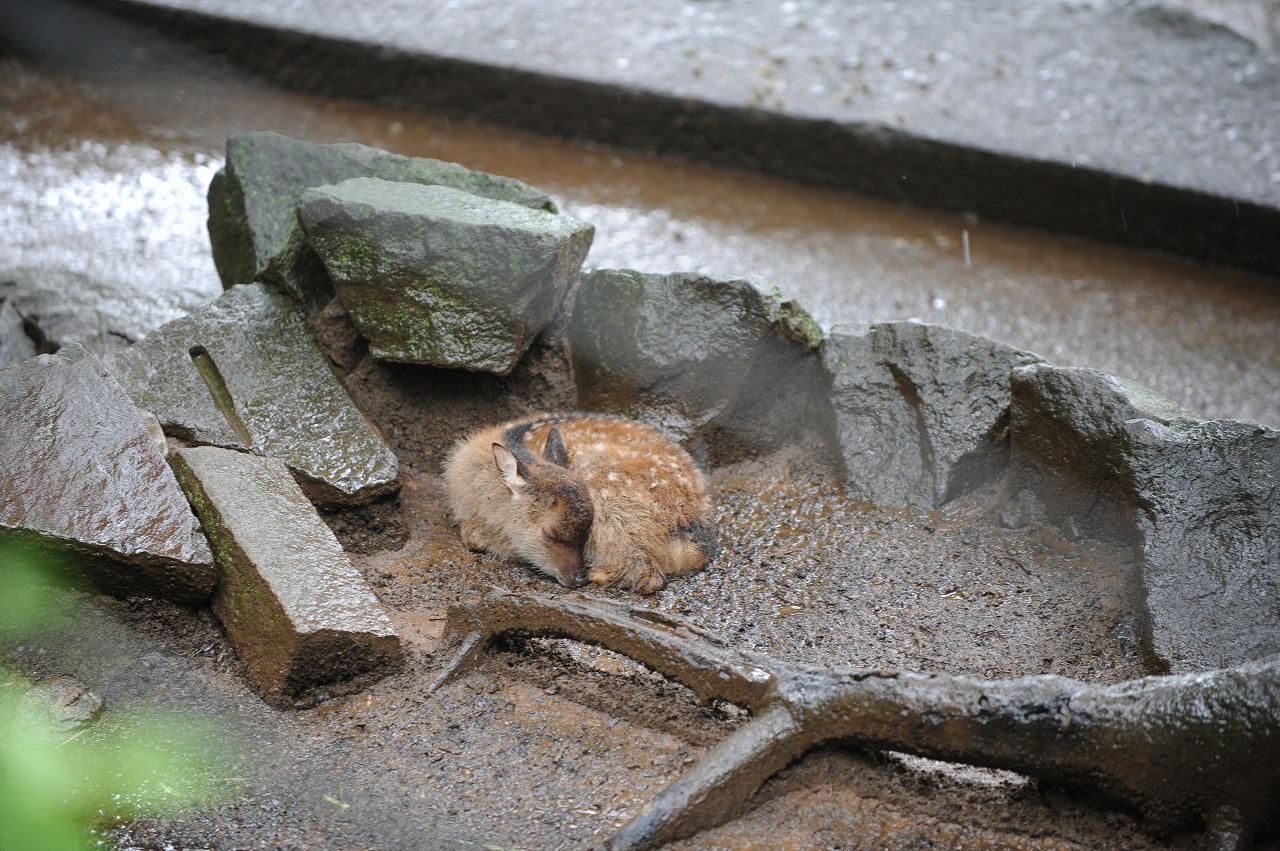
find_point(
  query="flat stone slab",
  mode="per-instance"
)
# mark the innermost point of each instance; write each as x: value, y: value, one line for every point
x: 1202, y: 498
x: 921, y: 411
x: 245, y: 373
x: 83, y: 474
x: 300, y: 615
x: 252, y: 221
x: 691, y: 352
x: 439, y: 276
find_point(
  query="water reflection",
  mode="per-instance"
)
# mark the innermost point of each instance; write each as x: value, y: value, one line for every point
x: 129, y: 217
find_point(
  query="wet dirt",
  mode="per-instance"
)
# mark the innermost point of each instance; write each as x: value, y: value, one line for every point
x: 554, y: 745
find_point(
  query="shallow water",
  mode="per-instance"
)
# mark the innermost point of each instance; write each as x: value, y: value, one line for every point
x: 107, y: 173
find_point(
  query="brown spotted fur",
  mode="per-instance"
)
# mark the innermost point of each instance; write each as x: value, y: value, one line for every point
x: 583, y: 498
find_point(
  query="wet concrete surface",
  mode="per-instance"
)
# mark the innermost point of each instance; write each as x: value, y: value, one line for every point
x: 806, y: 574
x: 1139, y: 123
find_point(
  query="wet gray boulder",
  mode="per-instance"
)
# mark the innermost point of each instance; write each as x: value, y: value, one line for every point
x: 84, y: 476
x: 1200, y: 500
x: 727, y: 361
x: 1071, y: 451
x: 299, y: 614
x: 920, y: 411
x: 252, y: 200
x: 439, y: 276
x: 245, y: 373
x: 1210, y: 522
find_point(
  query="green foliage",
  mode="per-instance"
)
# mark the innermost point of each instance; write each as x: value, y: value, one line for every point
x: 56, y: 784
x: 26, y: 583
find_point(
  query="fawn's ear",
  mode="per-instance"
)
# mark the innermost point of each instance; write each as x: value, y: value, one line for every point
x: 509, y: 469
x: 556, y: 452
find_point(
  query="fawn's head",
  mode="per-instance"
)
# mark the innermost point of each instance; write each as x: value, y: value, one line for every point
x: 554, y: 506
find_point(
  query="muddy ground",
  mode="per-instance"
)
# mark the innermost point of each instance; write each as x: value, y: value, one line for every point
x: 554, y: 745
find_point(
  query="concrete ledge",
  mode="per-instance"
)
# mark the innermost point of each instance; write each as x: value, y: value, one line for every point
x: 1094, y: 123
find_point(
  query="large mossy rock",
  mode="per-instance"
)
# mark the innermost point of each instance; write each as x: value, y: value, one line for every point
x: 1200, y: 501
x: 921, y: 411
x: 729, y: 360
x: 252, y: 202
x: 84, y: 475
x: 245, y: 373
x: 438, y: 276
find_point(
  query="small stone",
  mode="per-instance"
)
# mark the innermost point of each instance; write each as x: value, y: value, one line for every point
x: 245, y: 373
x: 61, y: 703
x: 252, y: 221
x: 299, y: 614
x: 438, y: 276
x: 83, y: 474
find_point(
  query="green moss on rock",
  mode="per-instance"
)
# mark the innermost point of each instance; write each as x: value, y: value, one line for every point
x: 434, y: 275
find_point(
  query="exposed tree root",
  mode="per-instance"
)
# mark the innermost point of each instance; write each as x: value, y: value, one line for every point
x: 1184, y: 752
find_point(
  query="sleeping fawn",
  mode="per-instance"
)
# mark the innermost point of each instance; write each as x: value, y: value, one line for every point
x: 583, y: 498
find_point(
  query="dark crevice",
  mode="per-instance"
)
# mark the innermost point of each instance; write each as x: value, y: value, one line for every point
x: 213, y: 380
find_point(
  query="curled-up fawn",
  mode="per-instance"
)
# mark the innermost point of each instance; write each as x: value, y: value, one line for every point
x: 583, y: 498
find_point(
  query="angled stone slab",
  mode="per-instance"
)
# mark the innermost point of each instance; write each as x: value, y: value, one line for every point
x: 728, y: 359
x: 921, y: 411
x: 300, y: 615
x: 83, y: 474
x: 1200, y: 500
x: 245, y: 373
x: 438, y: 276
x: 252, y: 221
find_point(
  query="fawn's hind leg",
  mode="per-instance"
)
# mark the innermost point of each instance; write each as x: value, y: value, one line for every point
x: 690, y: 549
